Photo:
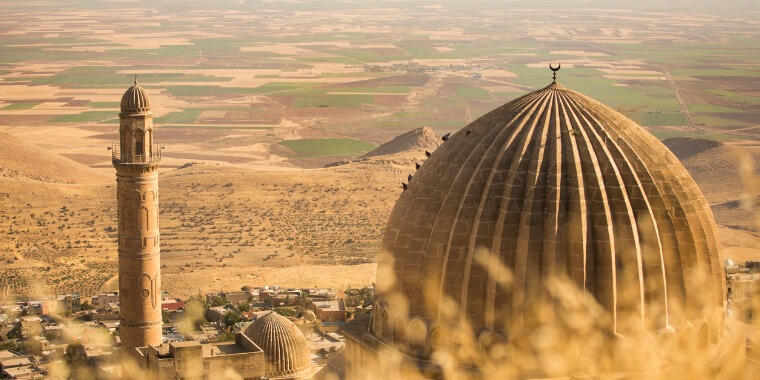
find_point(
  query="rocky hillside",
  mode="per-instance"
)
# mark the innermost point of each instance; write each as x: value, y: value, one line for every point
x: 414, y: 141
x: 22, y: 160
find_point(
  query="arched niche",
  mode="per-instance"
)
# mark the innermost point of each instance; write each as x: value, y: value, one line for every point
x: 418, y: 335
x: 387, y: 327
x: 143, y: 220
x: 140, y: 142
x: 400, y: 333
x: 435, y: 338
x: 377, y: 323
x: 146, y: 289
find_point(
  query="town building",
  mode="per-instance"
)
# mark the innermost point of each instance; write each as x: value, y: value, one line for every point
x: 331, y: 311
x: 14, y: 366
x: 103, y: 301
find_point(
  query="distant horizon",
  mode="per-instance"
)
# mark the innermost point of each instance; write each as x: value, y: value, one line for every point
x: 729, y: 6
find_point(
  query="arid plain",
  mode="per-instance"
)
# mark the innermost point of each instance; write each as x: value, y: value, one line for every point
x: 252, y: 101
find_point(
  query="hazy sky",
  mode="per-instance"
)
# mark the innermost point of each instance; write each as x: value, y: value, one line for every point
x: 712, y: 6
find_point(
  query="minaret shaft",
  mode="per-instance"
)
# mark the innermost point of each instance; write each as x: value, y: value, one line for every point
x: 139, y: 257
x: 136, y: 161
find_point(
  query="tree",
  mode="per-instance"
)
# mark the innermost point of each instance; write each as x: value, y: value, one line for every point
x: 231, y: 318
x: 75, y: 354
x: 226, y: 337
x: 244, y: 306
x: 76, y: 357
x: 286, y: 311
x: 218, y: 301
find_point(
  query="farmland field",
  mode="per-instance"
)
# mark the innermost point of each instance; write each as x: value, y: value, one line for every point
x: 327, y: 147
x: 368, y: 77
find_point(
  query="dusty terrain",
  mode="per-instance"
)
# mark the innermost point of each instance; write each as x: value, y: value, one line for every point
x: 222, y: 225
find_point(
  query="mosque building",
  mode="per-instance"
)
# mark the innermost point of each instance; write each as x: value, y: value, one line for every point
x: 272, y: 347
x: 550, y: 185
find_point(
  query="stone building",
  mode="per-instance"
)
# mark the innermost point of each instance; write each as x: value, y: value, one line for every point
x: 551, y: 184
x: 285, y: 346
x: 195, y: 360
x: 271, y: 348
x: 103, y: 301
x: 136, y: 160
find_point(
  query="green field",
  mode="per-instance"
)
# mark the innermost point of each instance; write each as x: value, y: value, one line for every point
x: 89, y: 76
x: 103, y: 104
x: 469, y: 92
x: 346, y: 101
x: 273, y: 87
x: 187, y: 116
x: 84, y: 117
x: 310, y: 148
x: 377, y: 90
x: 218, y: 127
x: 19, y: 106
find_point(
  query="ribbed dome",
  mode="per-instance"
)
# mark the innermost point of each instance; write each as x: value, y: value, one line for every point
x: 283, y: 343
x: 135, y: 100
x: 553, y: 183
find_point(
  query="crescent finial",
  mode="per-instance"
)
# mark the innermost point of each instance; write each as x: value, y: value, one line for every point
x: 554, y: 71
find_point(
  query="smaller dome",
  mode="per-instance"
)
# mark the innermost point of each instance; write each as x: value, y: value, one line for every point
x: 283, y: 343
x: 135, y: 100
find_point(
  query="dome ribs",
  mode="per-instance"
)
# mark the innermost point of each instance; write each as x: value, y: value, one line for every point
x: 628, y: 259
x: 284, y: 345
x: 526, y: 257
x: 577, y: 236
x: 506, y: 150
x: 680, y: 193
x: 601, y: 273
x: 135, y: 100
x: 553, y: 260
x: 453, y: 285
x: 673, y: 243
x: 433, y: 209
x: 653, y: 275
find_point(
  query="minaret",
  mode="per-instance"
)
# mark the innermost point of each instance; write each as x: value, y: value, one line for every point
x: 136, y: 161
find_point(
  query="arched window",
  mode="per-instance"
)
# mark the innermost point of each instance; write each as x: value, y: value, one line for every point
x: 435, y: 338
x: 417, y: 335
x: 126, y: 145
x: 400, y: 335
x: 146, y: 290
x: 377, y: 323
x: 387, y: 328
x: 144, y: 219
x: 139, y: 142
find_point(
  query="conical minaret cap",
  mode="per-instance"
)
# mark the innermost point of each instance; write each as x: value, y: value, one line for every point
x: 135, y: 100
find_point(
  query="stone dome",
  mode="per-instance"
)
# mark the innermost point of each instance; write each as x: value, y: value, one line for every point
x: 135, y: 100
x: 284, y: 345
x: 552, y: 184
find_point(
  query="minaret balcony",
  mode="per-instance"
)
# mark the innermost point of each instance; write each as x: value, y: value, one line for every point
x: 127, y: 158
